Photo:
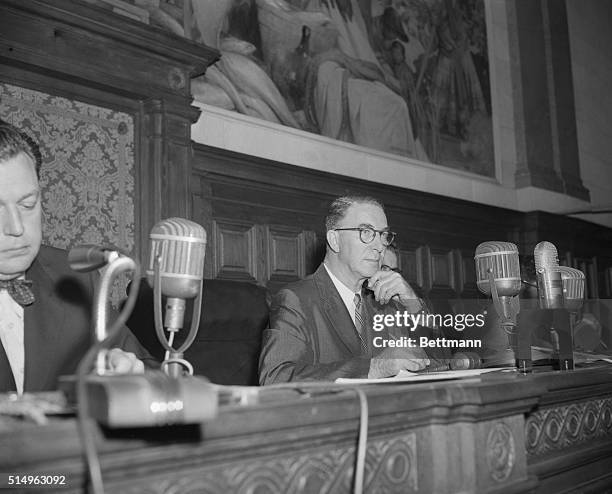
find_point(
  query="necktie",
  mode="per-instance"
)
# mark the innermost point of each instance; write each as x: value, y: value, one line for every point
x: 359, y: 322
x: 19, y: 290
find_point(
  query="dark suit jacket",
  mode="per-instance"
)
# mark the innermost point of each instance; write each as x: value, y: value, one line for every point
x: 58, y: 328
x: 312, y: 335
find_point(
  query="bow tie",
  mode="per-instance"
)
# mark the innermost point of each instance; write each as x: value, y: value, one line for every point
x: 19, y: 290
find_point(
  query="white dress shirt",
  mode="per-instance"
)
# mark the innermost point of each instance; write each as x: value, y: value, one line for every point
x: 346, y: 294
x: 11, y: 335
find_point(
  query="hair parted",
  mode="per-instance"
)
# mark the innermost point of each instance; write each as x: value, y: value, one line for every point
x: 13, y: 141
x: 339, y: 206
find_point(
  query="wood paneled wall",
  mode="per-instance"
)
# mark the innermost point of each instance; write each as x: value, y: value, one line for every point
x: 266, y: 220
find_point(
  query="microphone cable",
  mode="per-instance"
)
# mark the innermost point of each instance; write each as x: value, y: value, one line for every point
x: 84, y: 421
x: 181, y: 361
x: 362, y: 437
x: 362, y: 442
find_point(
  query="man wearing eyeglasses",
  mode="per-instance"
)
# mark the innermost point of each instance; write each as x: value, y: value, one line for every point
x: 321, y: 327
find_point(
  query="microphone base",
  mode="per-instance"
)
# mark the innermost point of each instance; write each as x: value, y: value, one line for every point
x: 524, y: 366
x: 551, y: 329
x: 563, y: 364
x: 146, y: 400
x: 561, y: 330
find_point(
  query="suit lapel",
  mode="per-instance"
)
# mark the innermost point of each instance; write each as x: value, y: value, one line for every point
x: 43, y: 321
x: 336, y: 312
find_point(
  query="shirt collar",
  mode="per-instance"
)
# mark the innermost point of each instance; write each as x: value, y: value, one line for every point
x: 20, y: 277
x: 346, y: 294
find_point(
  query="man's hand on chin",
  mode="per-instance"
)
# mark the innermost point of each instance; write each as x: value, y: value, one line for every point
x: 124, y: 362
x: 389, y: 284
x: 392, y: 360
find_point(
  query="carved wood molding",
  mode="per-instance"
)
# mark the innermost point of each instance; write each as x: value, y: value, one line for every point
x: 98, y: 46
x: 391, y: 466
x: 559, y: 428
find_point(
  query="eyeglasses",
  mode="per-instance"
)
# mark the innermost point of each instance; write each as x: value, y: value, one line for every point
x: 367, y: 234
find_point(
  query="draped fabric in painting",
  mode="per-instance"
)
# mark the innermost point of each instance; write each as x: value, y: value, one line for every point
x: 87, y: 177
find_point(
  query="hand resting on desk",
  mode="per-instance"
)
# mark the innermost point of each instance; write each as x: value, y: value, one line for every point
x: 392, y: 360
x: 124, y: 362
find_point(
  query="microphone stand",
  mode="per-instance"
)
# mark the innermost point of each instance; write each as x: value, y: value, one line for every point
x: 117, y: 265
x: 507, y: 308
x: 97, y: 355
x: 574, y: 282
x: 174, y: 361
x: 129, y: 400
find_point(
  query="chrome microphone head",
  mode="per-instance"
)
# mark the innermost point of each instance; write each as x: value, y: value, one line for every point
x: 574, y: 283
x: 550, y: 286
x: 502, y: 260
x: 545, y: 256
x: 180, y: 246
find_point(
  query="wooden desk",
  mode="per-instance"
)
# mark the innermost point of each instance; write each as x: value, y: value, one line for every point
x: 507, y: 433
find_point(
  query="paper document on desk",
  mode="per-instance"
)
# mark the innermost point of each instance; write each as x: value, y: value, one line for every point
x: 407, y: 376
x: 579, y: 357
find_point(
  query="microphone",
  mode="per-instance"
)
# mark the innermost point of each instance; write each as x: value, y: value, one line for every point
x: 551, y: 295
x: 152, y: 398
x: 88, y: 257
x: 180, y: 246
x: 498, y: 274
x: 176, y: 271
x: 550, y: 285
x: 573, y: 282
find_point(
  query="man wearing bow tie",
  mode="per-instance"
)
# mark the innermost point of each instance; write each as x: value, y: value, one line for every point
x: 45, y: 308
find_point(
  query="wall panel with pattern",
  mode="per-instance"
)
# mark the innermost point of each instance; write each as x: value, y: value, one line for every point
x: 87, y: 176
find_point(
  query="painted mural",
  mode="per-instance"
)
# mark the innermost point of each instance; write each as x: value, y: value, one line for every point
x: 409, y: 77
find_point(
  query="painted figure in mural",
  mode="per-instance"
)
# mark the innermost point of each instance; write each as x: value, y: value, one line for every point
x: 329, y: 78
x: 386, y: 29
x: 445, y: 39
x: 405, y: 76
x: 394, y: 75
x: 457, y: 93
x: 45, y: 307
x: 414, y: 48
x: 237, y: 79
x: 352, y: 97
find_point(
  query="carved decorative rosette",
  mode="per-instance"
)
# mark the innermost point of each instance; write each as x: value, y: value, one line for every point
x: 500, y: 452
x: 176, y: 79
